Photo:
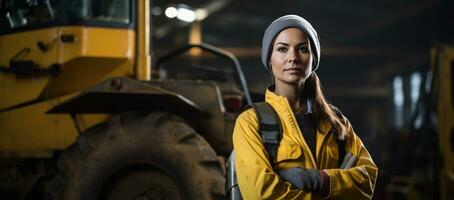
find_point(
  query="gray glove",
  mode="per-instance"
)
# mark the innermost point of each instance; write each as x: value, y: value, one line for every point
x: 305, y: 179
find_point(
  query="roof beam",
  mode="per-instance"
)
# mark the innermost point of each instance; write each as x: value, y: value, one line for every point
x: 397, y: 16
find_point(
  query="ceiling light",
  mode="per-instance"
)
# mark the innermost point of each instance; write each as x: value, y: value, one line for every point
x: 186, y: 15
x: 156, y: 11
x: 171, y: 12
x: 201, y: 14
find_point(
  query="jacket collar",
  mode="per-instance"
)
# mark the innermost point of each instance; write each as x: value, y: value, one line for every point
x: 279, y: 104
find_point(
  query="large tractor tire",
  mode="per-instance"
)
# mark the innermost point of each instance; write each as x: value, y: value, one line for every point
x: 138, y: 156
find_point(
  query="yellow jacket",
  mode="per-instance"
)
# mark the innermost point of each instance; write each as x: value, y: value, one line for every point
x: 256, y: 177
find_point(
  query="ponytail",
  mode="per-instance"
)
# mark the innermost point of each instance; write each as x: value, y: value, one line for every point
x: 323, y: 110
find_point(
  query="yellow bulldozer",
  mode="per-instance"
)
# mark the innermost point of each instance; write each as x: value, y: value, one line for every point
x: 442, y: 63
x: 423, y: 164
x: 81, y: 117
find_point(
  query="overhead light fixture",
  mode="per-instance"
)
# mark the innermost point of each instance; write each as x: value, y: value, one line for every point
x: 185, y: 14
x: 156, y: 11
x: 171, y: 12
x: 201, y: 14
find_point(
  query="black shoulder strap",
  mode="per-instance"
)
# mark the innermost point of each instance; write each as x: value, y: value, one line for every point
x: 340, y: 143
x: 270, y: 128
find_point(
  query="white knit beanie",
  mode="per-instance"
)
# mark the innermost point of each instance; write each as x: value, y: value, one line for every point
x: 290, y: 21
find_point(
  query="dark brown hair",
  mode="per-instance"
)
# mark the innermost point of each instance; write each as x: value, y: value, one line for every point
x: 322, y: 109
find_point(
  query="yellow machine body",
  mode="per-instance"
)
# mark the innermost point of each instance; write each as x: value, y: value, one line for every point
x: 85, y: 55
x: 95, y: 54
x: 443, y: 66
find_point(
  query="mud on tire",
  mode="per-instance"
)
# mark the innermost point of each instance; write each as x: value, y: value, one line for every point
x: 138, y: 156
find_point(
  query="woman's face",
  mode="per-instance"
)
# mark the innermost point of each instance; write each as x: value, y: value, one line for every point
x: 291, y: 57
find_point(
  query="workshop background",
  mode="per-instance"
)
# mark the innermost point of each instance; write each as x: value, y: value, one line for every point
x: 375, y: 59
x: 103, y: 99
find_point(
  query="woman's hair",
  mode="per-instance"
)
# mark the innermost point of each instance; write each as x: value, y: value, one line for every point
x: 322, y: 110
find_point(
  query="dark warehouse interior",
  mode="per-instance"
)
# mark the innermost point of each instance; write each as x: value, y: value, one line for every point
x: 365, y: 46
x: 104, y: 99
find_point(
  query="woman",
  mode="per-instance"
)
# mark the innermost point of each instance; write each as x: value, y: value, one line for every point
x: 306, y: 164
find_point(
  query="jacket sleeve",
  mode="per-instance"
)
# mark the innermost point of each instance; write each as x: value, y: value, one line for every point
x: 256, y: 177
x: 357, y: 182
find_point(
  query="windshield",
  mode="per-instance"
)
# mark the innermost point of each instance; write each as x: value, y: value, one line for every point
x: 17, y: 13
x: 38, y: 13
x: 117, y: 11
